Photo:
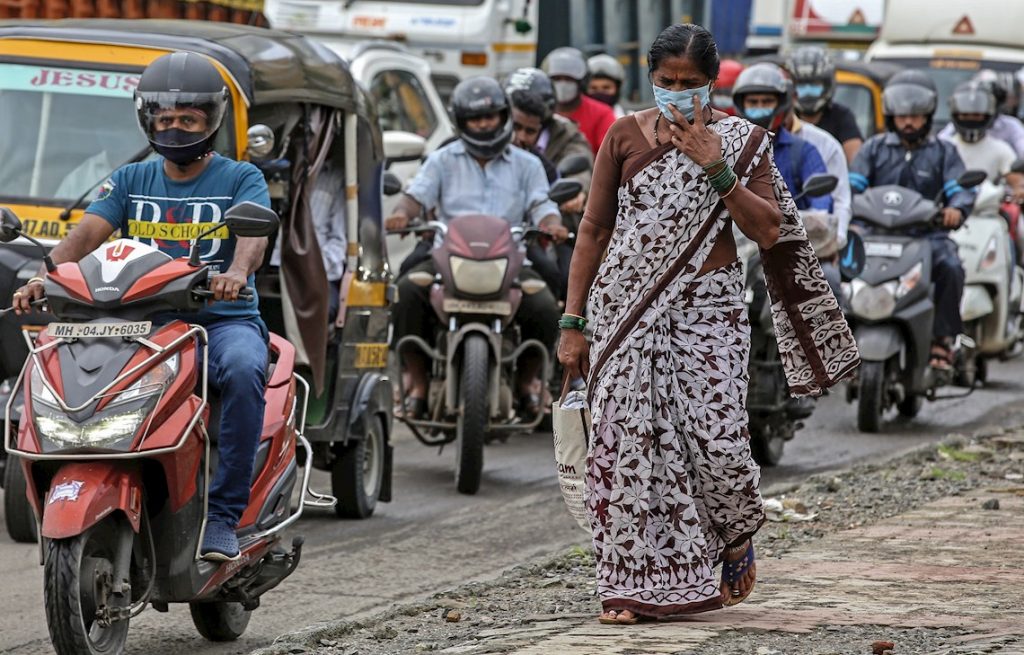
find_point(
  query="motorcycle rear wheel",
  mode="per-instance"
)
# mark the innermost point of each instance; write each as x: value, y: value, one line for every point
x: 18, y: 516
x: 71, y: 601
x: 871, y: 396
x: 220, y: 621
x: 474, y: 414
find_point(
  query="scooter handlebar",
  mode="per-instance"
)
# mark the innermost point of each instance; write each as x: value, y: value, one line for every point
x: 246, y: 293
x: 429, y: 226
x: 35, y: 303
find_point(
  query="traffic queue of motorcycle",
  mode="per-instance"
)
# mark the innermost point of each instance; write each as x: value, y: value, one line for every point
x: 110, y: 424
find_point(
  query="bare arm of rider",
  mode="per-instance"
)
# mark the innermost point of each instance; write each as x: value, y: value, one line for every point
x: 552, y: 224
x: 248, y: 257
x: 87, y: 236
x: 403, y: 213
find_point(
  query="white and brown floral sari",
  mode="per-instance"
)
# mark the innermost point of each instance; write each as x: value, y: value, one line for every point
x: 671, y: 480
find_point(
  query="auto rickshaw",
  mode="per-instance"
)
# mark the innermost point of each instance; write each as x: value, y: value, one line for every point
x: 68, y: 121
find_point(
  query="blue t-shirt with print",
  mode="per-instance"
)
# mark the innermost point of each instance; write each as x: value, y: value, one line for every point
x: 146, y: 205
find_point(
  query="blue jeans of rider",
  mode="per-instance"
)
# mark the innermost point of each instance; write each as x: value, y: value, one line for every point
x: 948, y: 276
x: 238, y: 365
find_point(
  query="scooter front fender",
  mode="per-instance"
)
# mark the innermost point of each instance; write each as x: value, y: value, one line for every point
x: 976, y: 303
x: 83, y: 493
x: 877, y: 343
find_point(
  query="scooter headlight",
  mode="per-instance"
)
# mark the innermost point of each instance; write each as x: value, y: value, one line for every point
x: 909, y: 280
x: 873, y: 303
x: 104, y: 429
x: 991, y: 256
x: 478, y: 278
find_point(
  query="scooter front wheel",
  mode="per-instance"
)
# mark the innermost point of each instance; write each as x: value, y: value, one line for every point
x: 871, y: 396
x: 475, y: 413
x: 220, y: 621
x: 78, y: 582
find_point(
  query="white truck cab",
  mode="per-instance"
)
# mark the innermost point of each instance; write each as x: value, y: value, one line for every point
x: 952, y: 40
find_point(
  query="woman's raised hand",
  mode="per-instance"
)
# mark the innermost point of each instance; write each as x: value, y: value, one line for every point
x: 695, y: 140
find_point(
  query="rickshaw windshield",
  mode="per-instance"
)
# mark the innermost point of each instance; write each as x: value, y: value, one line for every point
x: 66, y: 129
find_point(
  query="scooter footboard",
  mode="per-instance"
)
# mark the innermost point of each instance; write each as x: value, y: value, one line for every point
x: 84, y: 493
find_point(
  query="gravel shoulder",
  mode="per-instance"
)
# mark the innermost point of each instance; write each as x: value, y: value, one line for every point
x: 521, y: 610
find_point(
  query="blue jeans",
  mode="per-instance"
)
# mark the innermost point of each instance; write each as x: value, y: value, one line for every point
x: 238, y: 366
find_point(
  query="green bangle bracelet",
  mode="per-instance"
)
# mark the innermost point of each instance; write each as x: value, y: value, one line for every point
x: 724, y: 184
x: 721, y: 177
x: 572, y: 323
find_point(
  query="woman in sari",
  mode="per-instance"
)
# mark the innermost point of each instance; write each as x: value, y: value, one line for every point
x: 672, y: 488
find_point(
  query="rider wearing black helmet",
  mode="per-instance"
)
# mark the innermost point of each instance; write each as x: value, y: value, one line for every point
x: 906, y: 155
x: 180, y: 100
x: 1007, y: 128
x: 480, y: 173
x: 814, y: 75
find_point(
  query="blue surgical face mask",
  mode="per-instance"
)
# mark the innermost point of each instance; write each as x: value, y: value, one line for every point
x: 683, y: 100
x: 758, y: 113
x: 809, y: 90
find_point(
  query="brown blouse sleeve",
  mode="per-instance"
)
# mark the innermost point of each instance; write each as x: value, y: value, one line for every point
x: 760, y: 182
x: 603, y: 202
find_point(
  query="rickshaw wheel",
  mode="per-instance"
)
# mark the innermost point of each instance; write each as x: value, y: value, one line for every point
x: 358, y: 472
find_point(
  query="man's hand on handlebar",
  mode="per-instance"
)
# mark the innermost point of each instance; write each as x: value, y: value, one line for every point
x: 397, y: 221
x: 557, y: 232
x: 226, y: 286
x: 26, y: 295
x: 952, y: 218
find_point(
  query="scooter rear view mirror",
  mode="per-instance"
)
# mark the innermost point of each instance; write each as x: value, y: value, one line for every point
x: 971, y: 178
x: 249, y: 219
x: 10, y: 225
x: 564, y: 190
x: 820, y: 185
x: 392, y: 184
x: 573, y: 165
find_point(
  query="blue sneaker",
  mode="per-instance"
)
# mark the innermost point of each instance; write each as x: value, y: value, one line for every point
x: 220, y: 543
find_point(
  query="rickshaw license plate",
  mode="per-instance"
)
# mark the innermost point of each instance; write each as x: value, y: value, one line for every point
x: 371, y: 355
x: 460, y: 306
x: 99, y: 330
x: 882, y: 249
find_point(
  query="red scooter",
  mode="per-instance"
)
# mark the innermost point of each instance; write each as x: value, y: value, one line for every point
x: 117, y: 444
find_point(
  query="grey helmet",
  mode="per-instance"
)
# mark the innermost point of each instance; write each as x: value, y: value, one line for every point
x: 565, y: 61
x: 475, y: 97
x: 606, y: 66
x: 909, y: 93
x: 814, y: 75
x: 972, y: 98
x: 535, y: 81
x: 764, y: 78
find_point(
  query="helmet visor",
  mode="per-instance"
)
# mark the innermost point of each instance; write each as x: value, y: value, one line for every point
x: 810, y: 91
x: 185, y: 118
x: 908, y: 100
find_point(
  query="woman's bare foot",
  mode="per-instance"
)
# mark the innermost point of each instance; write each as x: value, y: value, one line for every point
x: 618, y: 617
x: 737, y: 586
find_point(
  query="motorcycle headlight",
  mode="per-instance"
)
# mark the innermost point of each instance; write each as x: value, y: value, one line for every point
x: 478, y: 278
x: 991, y: 256
x: 873, y: 303
x: 909, y: 281
x: 105, y: 428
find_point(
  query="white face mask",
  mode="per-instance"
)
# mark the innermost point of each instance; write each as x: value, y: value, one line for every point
x: 566, y: 91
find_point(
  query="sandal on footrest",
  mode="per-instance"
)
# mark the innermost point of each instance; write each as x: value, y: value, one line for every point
x: 940, y: 357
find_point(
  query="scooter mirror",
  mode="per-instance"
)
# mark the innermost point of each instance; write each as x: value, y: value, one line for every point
x: 971, y: 178
x: 852, y: 258
x: 564, y: 190
x: 392, y: 184
x: 820, y: 185
x: 1017, y: 166
x: 248, y: 219
x: 10, y: 225
x: 573, y: 165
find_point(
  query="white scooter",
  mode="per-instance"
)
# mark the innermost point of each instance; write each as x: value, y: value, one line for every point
x: 991, y: 305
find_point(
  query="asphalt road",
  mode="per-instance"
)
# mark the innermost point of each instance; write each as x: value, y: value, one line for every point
x: 432, y: 538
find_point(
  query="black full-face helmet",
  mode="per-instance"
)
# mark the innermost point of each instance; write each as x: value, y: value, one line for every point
x: 180, y: 103
x: 910, y: 93
x: 972, y: 98
x: 535, y: 81
x: 814, y: 76
x: 476, y: 97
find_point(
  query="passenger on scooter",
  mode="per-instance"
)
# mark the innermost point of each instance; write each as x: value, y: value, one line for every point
x: 973, y: 109
x: 180, y: 101
x: 1008, y: 129
x: 763, y: 95
x: 480, y: 173
x: 906, y: 155
x: 567, y: 69
x: 814, y: 75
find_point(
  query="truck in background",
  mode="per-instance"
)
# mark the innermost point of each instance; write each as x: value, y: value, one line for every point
x: 952, y: 41
x: 459, y: 38
x: 840, y: 24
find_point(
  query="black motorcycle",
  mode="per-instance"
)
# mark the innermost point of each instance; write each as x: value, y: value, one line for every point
x: 891, y: 309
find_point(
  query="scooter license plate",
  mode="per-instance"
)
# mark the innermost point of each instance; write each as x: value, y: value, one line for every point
x: 883, y: 249
x: 99, y: 330
x: 460, y: 306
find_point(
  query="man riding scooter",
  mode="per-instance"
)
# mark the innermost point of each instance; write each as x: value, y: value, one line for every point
x: 907, y: 156
x: 480, y: 173
x: 180, y: 101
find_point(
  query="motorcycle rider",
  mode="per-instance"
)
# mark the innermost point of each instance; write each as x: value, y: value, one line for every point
x: 567, y: 69
x: 814, y: 74
x: 480, y: 173
x: 906, y: 155
x: 180, y: 101
x: 1004, y: 127
x: 763, y: 95
x: 605, y: 82
x: 973, y: 109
